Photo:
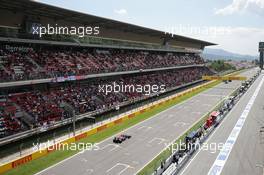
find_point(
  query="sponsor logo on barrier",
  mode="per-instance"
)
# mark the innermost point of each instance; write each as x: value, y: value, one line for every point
x: 151, y: 107
x: 131, y: 115
x: 81, y: 136
x: 21, y: 161
x: 101, y: 128
x: 118, y: 121
x: 142, y: 111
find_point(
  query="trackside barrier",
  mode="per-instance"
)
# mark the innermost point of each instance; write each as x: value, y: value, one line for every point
x: 41, y: 153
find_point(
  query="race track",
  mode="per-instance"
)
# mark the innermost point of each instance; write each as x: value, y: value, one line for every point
x: 149, y: 138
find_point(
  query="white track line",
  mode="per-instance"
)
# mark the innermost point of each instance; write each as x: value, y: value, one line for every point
x: 222, y: 157
x: 209, y: 138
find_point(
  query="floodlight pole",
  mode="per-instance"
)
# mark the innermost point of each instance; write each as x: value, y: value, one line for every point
x: 73, y: 121
x: 261, y: 55
x: 261, y: 59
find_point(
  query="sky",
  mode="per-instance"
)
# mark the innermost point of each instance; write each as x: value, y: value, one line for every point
x: 235, y: 25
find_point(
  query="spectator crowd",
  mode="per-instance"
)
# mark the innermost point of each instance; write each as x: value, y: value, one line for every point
x: 36, y: 64
x: 44, y: 107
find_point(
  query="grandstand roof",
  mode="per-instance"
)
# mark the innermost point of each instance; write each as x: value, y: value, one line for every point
x: 40, y: 9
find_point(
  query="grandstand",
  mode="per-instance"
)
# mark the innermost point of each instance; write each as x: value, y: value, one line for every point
x: 40, y: 74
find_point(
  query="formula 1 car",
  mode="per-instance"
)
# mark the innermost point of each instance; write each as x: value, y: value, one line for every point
x: 121, y: 138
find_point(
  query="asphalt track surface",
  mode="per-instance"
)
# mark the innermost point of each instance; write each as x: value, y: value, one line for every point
x: 247, y: 154
x: 149, y: 138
